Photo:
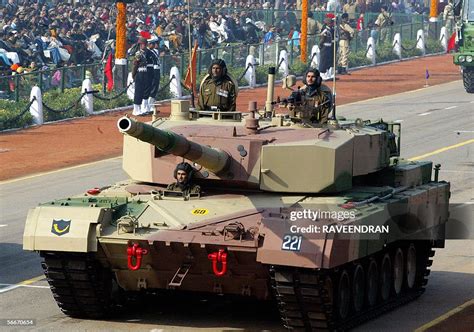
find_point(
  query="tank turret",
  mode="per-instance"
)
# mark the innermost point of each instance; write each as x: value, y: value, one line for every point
x: 227, y: 153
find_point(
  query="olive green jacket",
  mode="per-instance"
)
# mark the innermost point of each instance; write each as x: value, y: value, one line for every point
x: 192, y: 189
x: 222, y: 96
x: 321, y: 101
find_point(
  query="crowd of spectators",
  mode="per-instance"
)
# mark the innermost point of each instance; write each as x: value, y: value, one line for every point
x: 36, y: 34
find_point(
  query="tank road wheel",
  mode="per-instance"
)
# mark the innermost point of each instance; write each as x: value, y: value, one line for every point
x: 386, y: 277
x: 358, y: 288
x: 343, y: 295
x: 411, y: 266
x: 398, y: 271
x: 372, y: 282
x: 468, y: 79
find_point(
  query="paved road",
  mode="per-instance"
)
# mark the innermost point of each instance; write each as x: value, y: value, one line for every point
x: 432, y: 119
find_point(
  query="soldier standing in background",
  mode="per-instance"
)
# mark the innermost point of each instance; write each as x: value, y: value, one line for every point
x: 155, y: 85
x: 448, y: 17
x: 346, y: 33
x: 314, y: 27
x: 326, y: 40
x: 383, y: 21
x: 142, y: 73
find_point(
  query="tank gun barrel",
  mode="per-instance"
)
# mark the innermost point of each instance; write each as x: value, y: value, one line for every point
x: 215, y: 160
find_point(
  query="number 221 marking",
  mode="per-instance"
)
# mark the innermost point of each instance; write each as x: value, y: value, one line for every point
x: 291, y: 242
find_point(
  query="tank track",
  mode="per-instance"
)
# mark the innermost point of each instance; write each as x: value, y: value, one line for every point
x: 468, y: 79
x: 81, y: 287
x: 306, y: 300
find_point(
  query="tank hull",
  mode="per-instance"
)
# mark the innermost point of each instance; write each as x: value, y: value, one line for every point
x: 252, y: 229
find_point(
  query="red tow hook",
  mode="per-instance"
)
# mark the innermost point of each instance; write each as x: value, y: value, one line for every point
x: 137, y: 252
x: 94, y: 191
x: 220, y: 256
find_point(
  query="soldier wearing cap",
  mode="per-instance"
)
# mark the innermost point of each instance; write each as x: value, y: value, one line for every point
x: 183, y: 174
x: 218, y: 90
x: 346, y: 33
x: 155, y: 85
x: 142, y: 73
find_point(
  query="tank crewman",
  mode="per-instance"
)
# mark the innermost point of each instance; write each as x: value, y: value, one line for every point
x: 183, y: 174
x: 317, y: 96
x: 383, y: 21
x: 142, y: 73
x: 155, y: 85
x: 218, y: 90
x: 346, y: 33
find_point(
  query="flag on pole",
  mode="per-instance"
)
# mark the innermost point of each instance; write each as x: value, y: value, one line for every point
x: 190, y: 78
x: 108, y: 73
x: 452, y: 42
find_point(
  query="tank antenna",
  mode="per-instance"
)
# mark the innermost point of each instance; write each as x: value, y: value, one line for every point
x: 335, y: 41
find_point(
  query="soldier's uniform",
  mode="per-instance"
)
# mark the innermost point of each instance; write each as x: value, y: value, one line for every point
x: 155, y: 84
x: 220, y: 93
x: 187, y: 187
x: 346, y: 33
x: 186, y: 190
x: 383, y: 21
x: 448, y: 17
x: 320, y: 100
x: 326, y: 39
x: 142, y: 73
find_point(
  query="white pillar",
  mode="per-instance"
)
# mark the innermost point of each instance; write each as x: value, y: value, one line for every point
x: 261, y: 53
x: 88, y: 99
x: 397, y: 45
x: 277, y: 52
x: 36, y: 108
x: 443, y: 38
x: 371, y: 50
x: 420, y: 41
x: 131, y: 88
x: 283, y: 59
x: 315, y: 55
x: 175, y: 85
x: 251, y: 74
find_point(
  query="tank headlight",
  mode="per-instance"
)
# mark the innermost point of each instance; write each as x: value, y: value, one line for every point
x: 462, y: 58
x: 469, y: 58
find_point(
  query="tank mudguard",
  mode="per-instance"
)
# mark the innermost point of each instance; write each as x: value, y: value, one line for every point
x: 72, y: 229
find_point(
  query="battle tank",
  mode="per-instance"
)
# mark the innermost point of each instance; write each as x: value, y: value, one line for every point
x: 464, y: 55
x: 281, y: 198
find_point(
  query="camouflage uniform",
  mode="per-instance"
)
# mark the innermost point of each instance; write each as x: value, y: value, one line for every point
x: 188, y: 189
x: 221, y: 92
x: 321, y: 96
